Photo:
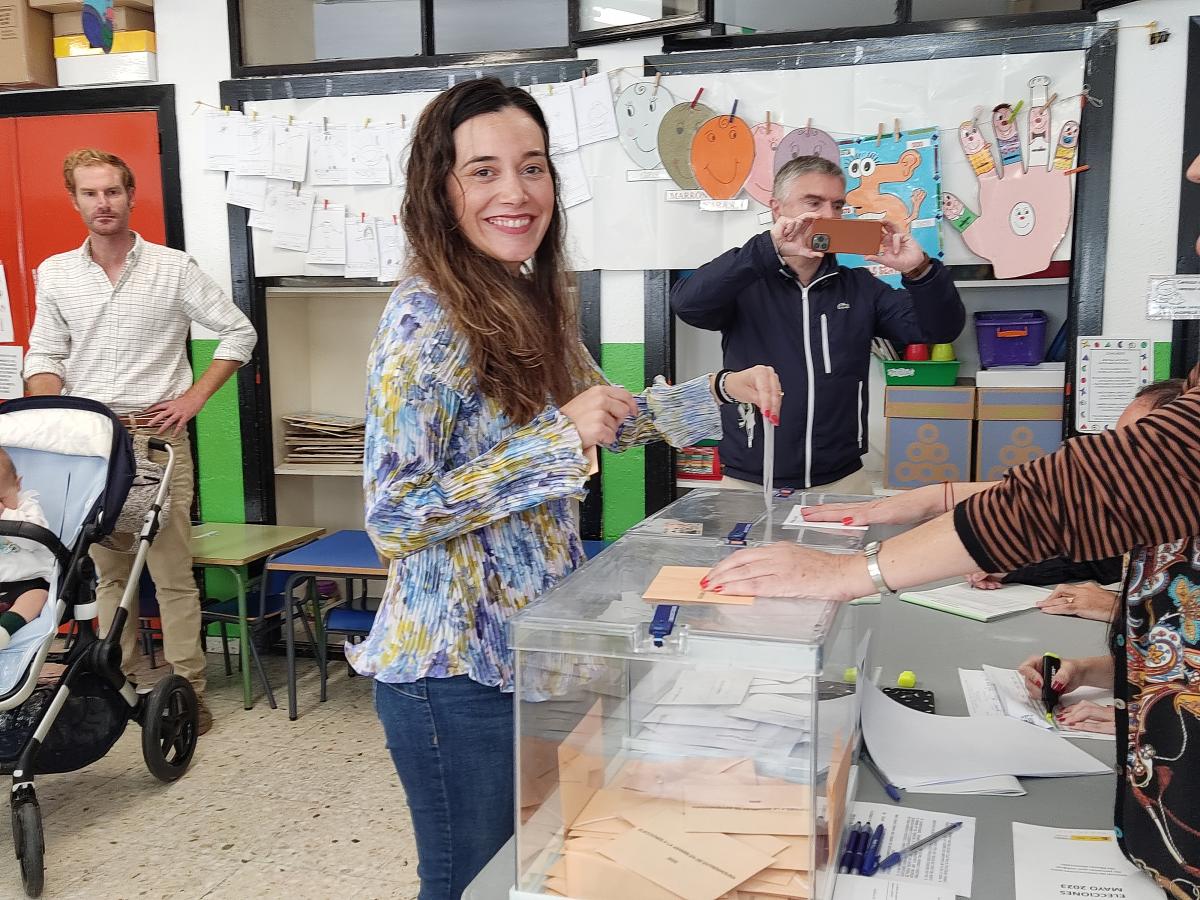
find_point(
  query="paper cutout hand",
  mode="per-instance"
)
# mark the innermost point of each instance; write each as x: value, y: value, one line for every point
x: 1023, y: 211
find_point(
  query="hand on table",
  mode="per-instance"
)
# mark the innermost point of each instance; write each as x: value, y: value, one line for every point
x: 899, y: 509
x: 1070, y: 675
x: 786, y: 570
x: 1088, y: 716
x: 985, y: 581
x: 1087, y: 600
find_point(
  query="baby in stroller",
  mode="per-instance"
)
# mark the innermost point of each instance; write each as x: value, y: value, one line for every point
x: 25, y: 565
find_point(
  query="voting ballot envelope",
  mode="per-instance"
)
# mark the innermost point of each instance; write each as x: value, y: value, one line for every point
x: 673, y: 744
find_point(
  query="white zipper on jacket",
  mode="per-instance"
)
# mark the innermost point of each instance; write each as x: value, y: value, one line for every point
x: 825, y: 341
x: 812, y: 388
x: 860, y: 422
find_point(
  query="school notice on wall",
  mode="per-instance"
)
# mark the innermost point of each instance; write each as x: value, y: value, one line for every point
x: 1173, y: 297
x: 1108, y: 373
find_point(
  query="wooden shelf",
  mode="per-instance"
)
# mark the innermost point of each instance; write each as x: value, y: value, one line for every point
x: 700, y: 483
x: 1012, y: 282
x: 317, y: 469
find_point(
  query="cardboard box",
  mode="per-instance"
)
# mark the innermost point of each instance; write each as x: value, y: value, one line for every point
x: 1016, y: 426
x: 26, y: 46
x: 111, y: 68
x: 76, y: 6
x: 929, y: 434
x: 123, y: 42
x: 125, y: 18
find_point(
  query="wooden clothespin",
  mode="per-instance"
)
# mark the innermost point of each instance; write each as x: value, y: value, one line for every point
x: 327, y: 203
x: 395, y: 219
x: 367, y: 122
x: 1017, y: 108
x: 325, y: 124
x: 362, y: 218
x: 585, y: 77
x: 226, y: 110
x: 254, y: 115
x: 896, y: 130
x: 696, y: 99
x: 298, y: 186
x: 1076, y: 170
x: 657, y: 81
x: 808, y: 126
x: 550, y: 88
x: 1050, y: 102
x: 401, y: 120
x: 291, y: 119
x: 879, y: 135
x: 768, y: 119
x: 733, y: 112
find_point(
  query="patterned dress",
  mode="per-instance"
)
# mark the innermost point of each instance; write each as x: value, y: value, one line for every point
x: 475, y: 513
x: 1158, y: 717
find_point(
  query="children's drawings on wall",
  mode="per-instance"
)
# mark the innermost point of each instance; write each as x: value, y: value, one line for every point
x: 221, y: 140
x: 1023, y: 210
x: 896, y: 178
x: 761, y: 183
x: 289, y: 159
x: 368, y: 156
x: 558, y: 108
x: 329, y: 155
x: 675, y: 134
x: 327, y: 243
x: 293, y: 221
x: 595, y: 119
x: 722, y: 154
x: 806, y: 141
x: 362, y: 248
x: 391, y: 251
x: 640, y: 109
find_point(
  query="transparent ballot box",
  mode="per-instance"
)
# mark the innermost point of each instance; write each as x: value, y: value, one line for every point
x: 709, y: 514
x: 704, y: 761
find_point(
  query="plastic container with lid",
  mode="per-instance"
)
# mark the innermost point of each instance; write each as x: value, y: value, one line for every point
x: 1011, y: 338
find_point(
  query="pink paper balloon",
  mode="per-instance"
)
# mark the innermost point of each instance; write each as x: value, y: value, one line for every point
x: 762, y: 174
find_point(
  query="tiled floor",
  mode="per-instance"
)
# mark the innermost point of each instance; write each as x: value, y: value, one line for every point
x: 269, y: 809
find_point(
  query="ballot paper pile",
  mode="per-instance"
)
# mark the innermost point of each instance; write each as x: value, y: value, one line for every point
x: 698, y: 829
x: 315, y: 438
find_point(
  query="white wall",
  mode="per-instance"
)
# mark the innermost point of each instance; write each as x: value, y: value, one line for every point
x: 193, y: 54
x: 1143, y: 220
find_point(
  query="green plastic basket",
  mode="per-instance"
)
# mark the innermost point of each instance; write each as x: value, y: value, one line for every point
x: 921, y: 374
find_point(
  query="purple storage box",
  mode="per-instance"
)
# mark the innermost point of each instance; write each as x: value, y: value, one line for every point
x: 1011, y: 338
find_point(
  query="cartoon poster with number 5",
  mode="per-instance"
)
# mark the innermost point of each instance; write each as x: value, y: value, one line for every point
x: 894, y: 177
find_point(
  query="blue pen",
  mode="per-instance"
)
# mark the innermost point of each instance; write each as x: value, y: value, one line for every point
x: 848, y: 849
x: 891, y: 790
x: 870, y: 863
x: 893, y: 858
x: 860, y: 849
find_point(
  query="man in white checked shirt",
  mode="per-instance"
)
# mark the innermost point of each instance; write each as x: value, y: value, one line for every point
x: 113, y: 319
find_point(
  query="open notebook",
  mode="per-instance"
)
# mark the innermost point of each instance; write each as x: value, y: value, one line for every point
x: 983, y: 606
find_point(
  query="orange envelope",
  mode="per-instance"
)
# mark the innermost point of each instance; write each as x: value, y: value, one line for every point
x: 694, y: 866
x: 681, y: 584
x: 592, y: 878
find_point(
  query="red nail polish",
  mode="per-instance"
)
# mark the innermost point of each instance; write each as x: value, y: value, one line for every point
x: 718, y: 589
x: 703, y: 582
x: 848, y: 520
x: 1057, y: 685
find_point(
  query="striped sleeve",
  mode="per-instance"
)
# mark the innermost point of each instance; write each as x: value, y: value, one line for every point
x: 1097, y: 496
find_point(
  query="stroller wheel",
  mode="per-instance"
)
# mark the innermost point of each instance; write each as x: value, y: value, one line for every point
x: 29, y: 843
x: 169, y: 728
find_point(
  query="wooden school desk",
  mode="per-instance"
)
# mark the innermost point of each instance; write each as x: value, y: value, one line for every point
x: 233, y: 546
x: 343, y: 554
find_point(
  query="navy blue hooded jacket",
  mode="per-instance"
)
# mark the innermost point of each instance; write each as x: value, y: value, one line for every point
x: 819, y: 341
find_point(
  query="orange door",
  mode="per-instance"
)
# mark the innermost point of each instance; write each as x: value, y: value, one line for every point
x: 37, y: 219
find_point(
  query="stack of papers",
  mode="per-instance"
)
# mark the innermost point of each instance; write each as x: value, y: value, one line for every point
x: 1070, y: 862
x: 916, y: 749
x: 795, y: 519
x: 983, y: 606
x: 316, y: 438
x: 947, y: 864
x: 1001, y: 692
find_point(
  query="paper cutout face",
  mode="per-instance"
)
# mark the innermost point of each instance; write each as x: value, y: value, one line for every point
x: 761, y: 183
x: 805, y: 142
x: 1002, y: 122
x: 952, y: 207
x: 675, y: 134
x: 1069, y: 134
x: 971, y: 138
x: 1039, y: 121
x: 1022, y: 219
x: 639, y: 113
x: 722, y: 154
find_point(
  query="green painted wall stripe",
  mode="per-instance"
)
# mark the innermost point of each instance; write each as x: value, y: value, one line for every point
x: 623, y: 475
x: 219, y: 461
x: 1162, y: 360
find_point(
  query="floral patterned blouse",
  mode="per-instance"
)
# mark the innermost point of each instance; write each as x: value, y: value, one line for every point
x: 475, y: 514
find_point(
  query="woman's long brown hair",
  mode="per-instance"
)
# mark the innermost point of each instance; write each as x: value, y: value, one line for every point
x: 521, y: 329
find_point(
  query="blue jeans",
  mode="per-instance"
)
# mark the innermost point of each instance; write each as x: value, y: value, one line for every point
x: 451, y: 741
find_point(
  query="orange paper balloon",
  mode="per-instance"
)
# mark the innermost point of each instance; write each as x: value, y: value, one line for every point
x: 722, y: 154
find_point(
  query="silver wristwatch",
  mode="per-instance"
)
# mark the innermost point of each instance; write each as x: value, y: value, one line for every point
x: 871, y: 554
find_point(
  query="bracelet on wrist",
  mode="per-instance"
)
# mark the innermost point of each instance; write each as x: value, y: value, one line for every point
x: 921, y: 269
x: 719, y: 386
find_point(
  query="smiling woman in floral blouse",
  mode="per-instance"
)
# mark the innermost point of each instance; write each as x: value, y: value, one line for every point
x: 481, y: 410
